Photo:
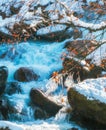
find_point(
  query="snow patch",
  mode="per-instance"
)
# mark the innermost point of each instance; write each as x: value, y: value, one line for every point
x: 51, y: 29
x: 93, y: 89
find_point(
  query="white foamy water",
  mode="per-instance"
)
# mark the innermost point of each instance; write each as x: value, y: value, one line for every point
x: 43, y: 58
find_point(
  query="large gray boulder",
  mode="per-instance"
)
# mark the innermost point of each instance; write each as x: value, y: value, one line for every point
x: 89, y: 110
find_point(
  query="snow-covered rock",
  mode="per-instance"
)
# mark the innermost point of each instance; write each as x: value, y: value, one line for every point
x: 55, y: 33
x: 88, y: 100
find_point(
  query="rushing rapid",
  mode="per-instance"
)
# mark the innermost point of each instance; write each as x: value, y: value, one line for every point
x: 44, y: 58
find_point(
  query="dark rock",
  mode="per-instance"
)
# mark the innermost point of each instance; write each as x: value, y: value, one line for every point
x: 91, y: 111
x: 95, y: 72
x: 25, y: 74
x: 39, y: 99
x: 4, y: 36
x: 73, y: 128
x: 8, y: 107
x: 4, y: 109
x: 3, y: 14
x: 6, y: 128
x: 3, y: 74
x: 12, y: 88
x: 14, y: 10
x: 3, y: 78
x: 15, y: 34
x: 40, y: 114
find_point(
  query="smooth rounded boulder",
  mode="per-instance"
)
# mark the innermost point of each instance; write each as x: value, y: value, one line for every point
x: 3, y: 78
x: 25, y: 74
x: 39, y: 99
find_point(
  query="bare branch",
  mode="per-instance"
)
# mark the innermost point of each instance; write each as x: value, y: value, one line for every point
x: 74, y: 21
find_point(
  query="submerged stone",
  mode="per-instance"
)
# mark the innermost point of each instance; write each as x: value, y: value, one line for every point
x: 13, y: 87
x: 4, y: 109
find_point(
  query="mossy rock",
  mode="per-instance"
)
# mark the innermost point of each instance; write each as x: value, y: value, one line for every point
x: 84, y: 108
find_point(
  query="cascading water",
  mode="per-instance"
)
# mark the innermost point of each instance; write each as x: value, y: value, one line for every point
x: 43, y: 58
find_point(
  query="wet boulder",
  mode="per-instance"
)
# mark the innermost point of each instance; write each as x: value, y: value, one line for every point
x: 12, y: 88
x: 40, y: 114
x: 3, y: 74
x: 3, y: 78
x: 25, y: 74
x: 91, y: 113
x: 4, y: 109
x: 39, y: 99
